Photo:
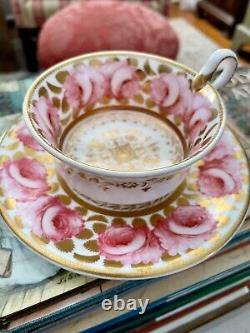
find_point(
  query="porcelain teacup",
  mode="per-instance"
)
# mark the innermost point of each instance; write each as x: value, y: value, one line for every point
x: 125, y: 127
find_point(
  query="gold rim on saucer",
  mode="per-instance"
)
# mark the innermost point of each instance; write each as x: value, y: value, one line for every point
x: 81, y: 254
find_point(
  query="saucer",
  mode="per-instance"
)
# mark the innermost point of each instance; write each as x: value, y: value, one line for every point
x: 188, y: 227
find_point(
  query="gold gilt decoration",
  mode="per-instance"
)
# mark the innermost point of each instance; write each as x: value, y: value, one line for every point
x: 56, y: 102
x: 182, y: 201
x: 92, y: 245
x: 89, y: 108
x: 18, y: 222
x: 53, y: 88
x: 223, y: 221
x: 177, y: 120
x: 200, y: 81
x: 43, y: 92
x: 81, y: 210
x: 11, y: 134
x: 155, y: 218
x: 89, y: 259
x: 164, y: 69
x: 112, y: 263
x: 146, y: 87
x: 10, y: 203
x: 85, y: 234
x: 148, y: 68
x: 214, y: 240
x: 65, y: 245
x: 45, y: 158
x: 39, y: 240
x: 65, y: 105
x: 124, y: 101
x: 3, y: 159
x: 101, y: 218
x: 168, y: 210
x: 193, y: 196
x: 224, y: 207
x: 141, y: 265
x: 167, y: 257
x: 61, y: 76
x: 29, y: 152
x: 138, y: 99
x: 160, y: 203
x: 141, y: 74
x: 118, y: 221
x: 64, y: 198
x: 54, y: 188
x: 132, y: 62
x: 112, y: 59
x: 51, y: 172
x: 104, y: 100
x: 245, y: 179
x: 76, y: 113
x: 150, y: 103
x: 240, y: 195
x: 138, y: 222
x: 12, y: 146
x: 81, y: 174
x: 18, y: 155
x: 197, y: 252
x: 95, y: 63
x: 99, y: 228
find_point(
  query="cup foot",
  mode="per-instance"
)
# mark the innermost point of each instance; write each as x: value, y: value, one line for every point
x: 122, y: 209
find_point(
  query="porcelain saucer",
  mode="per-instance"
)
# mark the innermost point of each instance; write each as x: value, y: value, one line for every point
x: 191, y: 225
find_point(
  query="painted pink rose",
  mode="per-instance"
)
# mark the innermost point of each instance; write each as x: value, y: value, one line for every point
x: 223, y: 148
x: 84, y: 86
x: 123, y: 82
x: 197, y: 116
x: 187, y: 227
x: 24, y: 136
x: 23, y: 179
x: 220, y: 177
x: 47, y: 118
x: 172, y: 92
x: 129, y: 245
x: 49, y: 218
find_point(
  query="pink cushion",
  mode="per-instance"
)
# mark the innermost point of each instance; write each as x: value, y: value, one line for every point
x: 105, y: 25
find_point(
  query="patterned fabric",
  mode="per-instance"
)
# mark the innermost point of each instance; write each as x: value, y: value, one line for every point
x: 33, y: 13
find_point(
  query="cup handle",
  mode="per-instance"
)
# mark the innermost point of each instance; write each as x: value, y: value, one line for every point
x: 228, y: 61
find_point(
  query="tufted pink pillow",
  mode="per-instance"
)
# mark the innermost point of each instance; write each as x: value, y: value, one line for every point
x: 105, y: 25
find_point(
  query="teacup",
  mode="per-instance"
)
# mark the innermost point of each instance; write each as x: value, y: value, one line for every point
x: 125, y: 127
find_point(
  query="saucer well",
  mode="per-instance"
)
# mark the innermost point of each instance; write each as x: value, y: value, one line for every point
x: 192, y: 224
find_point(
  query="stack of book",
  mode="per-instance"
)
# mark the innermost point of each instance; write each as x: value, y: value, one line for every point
x: 69, y: 302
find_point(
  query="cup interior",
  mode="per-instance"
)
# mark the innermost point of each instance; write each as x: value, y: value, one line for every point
x: 123, y: 111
